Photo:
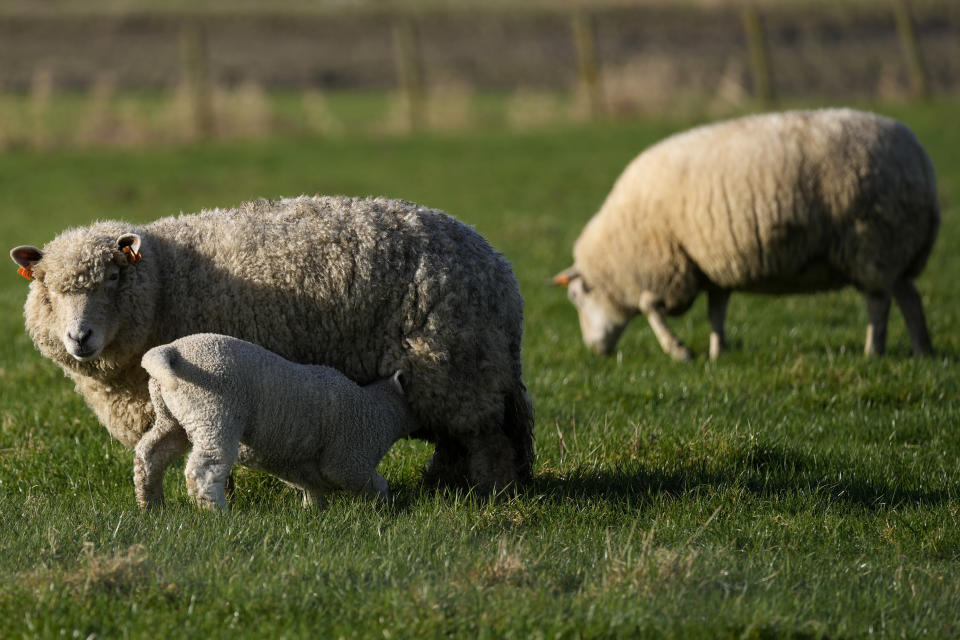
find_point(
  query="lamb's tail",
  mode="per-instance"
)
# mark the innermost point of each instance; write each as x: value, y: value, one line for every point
x: 159, y: 364
x: 518, y: 426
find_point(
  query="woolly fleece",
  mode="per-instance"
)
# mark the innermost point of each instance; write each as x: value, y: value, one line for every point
x: 367, y: 286
x: 789, y: 202
x: 309, y: 425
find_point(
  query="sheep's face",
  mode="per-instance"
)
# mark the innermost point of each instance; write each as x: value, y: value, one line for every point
x: 75, y: 297
x: 602, y: 321
x: 85, y: 320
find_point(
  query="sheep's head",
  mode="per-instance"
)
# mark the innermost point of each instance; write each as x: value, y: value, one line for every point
x: 602, y: 320
x: 74, y: 303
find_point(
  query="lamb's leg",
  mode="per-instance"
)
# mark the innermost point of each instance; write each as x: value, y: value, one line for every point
x: 376, y: 487
x: 717, y: 311
x: 206, y: 472
x: 669, y: 342
x: 158, y: 448
x: 911, y: 307
x: 878, y: 310
x: 155, y: 452
x: 366, y: 482
x: 313, y: 499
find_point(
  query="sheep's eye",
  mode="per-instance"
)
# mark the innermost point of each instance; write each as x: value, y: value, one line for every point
x: 113, y: 277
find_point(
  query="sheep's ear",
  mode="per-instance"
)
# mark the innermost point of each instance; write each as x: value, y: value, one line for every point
x: 566, y: 276
x: 399, y: 381
x: 129, y: 244
x: 26, y: 256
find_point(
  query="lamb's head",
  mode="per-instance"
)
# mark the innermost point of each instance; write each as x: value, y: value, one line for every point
x: 80, y: 279
x: 602, y: 320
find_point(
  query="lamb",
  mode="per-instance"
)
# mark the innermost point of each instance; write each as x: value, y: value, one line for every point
x: 232, y: 400
x: 367, y: 286
x: 791, y: 202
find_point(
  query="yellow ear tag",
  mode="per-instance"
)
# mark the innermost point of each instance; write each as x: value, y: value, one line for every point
x: 25, y: 272
x: 132, y: 257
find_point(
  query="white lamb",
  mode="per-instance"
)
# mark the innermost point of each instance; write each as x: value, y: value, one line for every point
x: 309, y: 425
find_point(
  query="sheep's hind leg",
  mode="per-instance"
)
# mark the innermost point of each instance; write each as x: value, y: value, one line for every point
x: 911, y: 307
x: 717, y: 311
x: 878, y: 310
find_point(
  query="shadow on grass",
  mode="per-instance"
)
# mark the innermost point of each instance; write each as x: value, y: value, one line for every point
x: 767, y: 472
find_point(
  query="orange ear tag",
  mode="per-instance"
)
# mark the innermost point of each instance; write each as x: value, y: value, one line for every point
x: 132, y: 257
x: 25, y: 272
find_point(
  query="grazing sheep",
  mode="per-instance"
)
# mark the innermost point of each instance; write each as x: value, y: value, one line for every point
x: 367, y: 286
x: 309, y: 425
x: 791, y: 202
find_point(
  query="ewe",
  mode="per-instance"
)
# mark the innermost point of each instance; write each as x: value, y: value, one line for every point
x: 791, y: 202
x: 367, y: 286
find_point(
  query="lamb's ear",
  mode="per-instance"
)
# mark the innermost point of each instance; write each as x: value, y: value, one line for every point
x: 399, y: 381
x: 129, y: 243
x: 566, y: 276
x: 26, y: 256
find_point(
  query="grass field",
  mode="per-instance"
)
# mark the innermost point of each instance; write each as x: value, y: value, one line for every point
x: 792, y: 489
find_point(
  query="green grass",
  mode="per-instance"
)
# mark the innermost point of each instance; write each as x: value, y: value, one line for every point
x: 792, y: 489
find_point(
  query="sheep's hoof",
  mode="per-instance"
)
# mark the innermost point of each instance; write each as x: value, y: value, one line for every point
x: 155, y: 505
x: 682, y: 353
x: 149, y: 500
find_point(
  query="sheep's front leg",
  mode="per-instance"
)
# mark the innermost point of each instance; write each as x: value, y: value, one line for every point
x: 717, y: 311
x: 669, y: 342
x: 878, y: 311
x: 911, y: 307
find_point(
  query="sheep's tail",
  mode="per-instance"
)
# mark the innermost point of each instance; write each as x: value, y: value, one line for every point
x: 159, y: 364
x: 518, y: 426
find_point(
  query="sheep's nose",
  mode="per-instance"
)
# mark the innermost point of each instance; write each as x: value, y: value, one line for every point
x: 80, y: 336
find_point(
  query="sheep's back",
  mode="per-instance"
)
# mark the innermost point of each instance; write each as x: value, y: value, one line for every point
x: 365, y: 286
x: 795, y: 201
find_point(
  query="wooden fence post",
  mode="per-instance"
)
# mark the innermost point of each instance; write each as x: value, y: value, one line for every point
x: 919, y: 85
x: 588, y: 74
x: 195, y: 76
x: 759, y: 56
x: 406, y: 53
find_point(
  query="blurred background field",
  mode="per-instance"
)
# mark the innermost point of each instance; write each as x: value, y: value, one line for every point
x: 134, y: 73
x: 792, y: 489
